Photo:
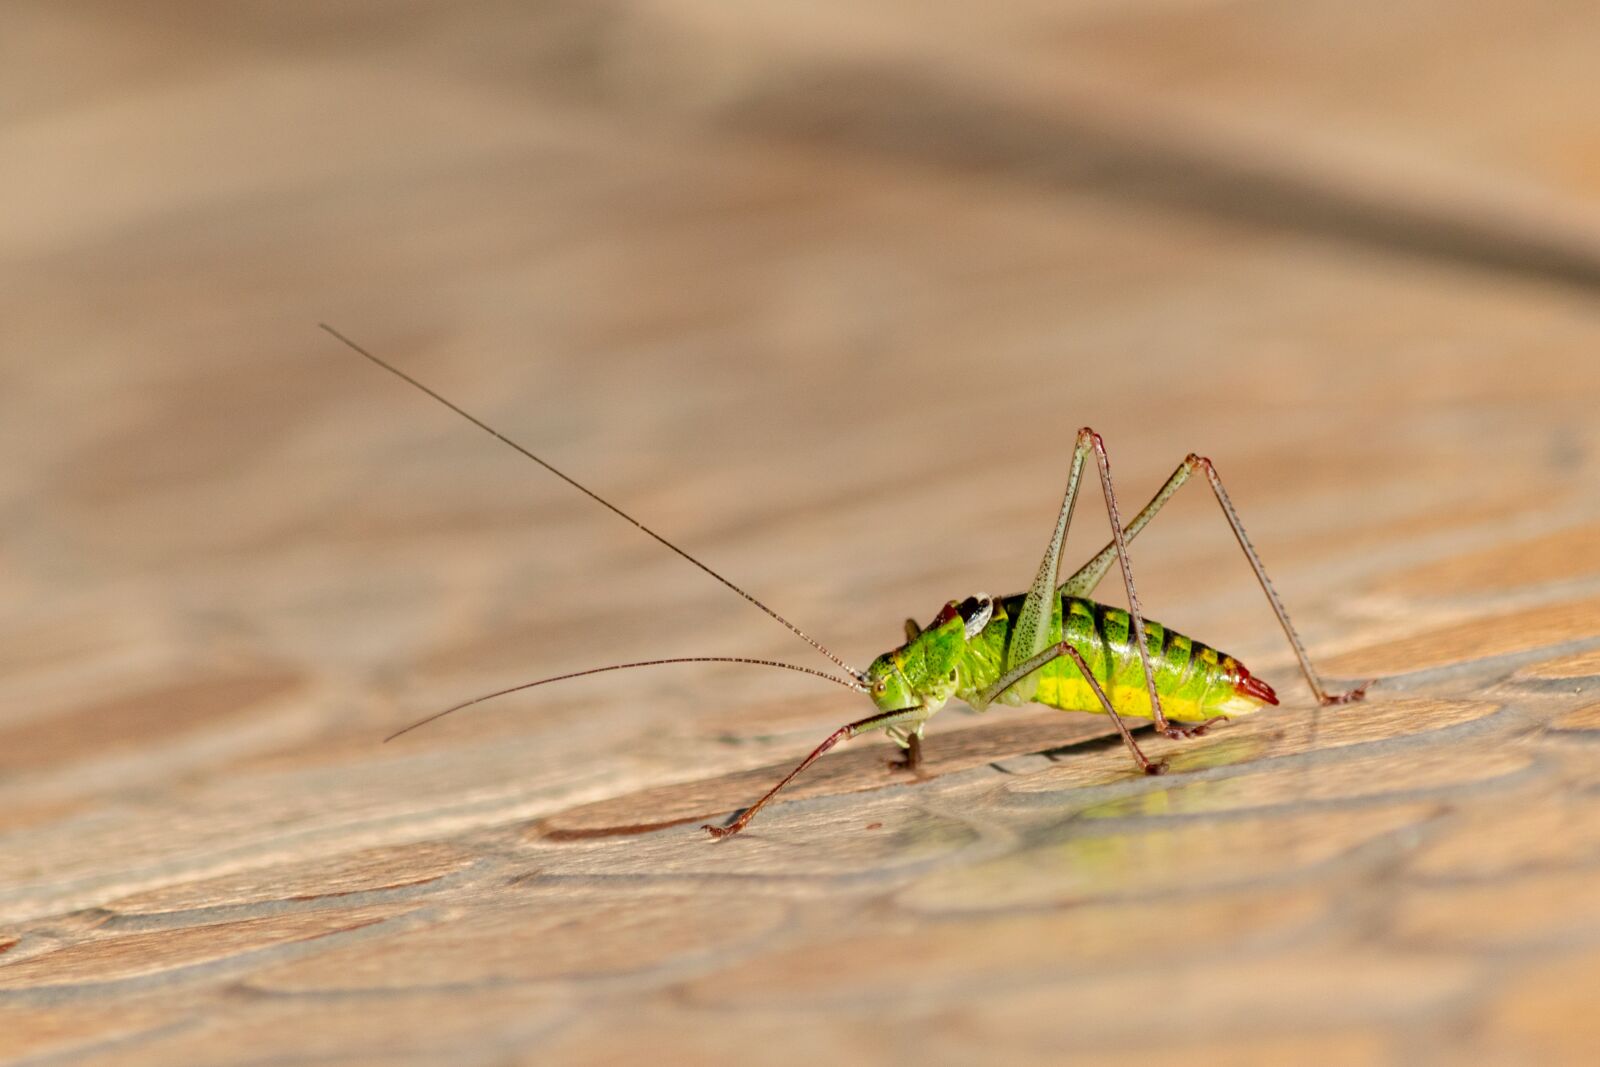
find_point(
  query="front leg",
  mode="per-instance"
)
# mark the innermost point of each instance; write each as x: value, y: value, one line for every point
x: 881, y: 721
x: 911, y: 759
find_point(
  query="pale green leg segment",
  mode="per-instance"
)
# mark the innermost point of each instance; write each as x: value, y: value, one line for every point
x: 1033, y: 621
x: 1089, y: 576
x: 1092, y: 573
x: 1032, y: 631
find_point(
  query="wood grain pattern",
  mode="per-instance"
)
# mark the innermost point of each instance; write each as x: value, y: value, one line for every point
x: 822, y: 292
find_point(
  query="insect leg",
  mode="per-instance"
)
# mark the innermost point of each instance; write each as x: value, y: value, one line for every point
x: 1312, y: 677
x: 913, y: 754
x: 1090, y: 574
x: 1033, y: 663
x: 843, y: 733
x: 1034, y: 621
x: 1157, y: 716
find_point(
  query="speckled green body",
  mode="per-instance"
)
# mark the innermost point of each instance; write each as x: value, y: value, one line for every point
x: 1195, y: 682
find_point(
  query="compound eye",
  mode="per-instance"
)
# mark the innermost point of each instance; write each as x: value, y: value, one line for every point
x: 879, y: 686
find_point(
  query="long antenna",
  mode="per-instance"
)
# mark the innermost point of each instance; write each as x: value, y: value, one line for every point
x: 856, y: 686
x: 597, y: 498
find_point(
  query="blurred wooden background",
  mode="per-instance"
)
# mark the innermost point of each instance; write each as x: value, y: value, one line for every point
x: 821, y: 291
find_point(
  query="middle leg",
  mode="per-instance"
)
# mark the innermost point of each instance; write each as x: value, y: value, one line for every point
x: 1064, y: 648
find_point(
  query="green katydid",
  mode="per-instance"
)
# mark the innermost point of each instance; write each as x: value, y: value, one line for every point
x: 1051, y: 645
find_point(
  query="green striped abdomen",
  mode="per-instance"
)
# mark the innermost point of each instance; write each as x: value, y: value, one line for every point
x: 1195, y: 681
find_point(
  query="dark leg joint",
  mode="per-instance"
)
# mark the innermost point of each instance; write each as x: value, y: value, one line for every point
x: 726, y: 830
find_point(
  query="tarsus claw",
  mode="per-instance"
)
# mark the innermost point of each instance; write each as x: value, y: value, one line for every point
x: 1349, y: 696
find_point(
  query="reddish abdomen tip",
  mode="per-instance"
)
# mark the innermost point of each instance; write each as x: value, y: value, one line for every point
x: 1250, y: 686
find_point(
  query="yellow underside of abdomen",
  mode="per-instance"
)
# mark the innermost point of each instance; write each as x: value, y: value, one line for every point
x: 1134, y: 702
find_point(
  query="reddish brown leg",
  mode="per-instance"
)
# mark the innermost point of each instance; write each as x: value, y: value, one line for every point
x: 843, y: 733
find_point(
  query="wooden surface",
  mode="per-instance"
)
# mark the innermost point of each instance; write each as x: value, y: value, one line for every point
x: 821, y: 292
